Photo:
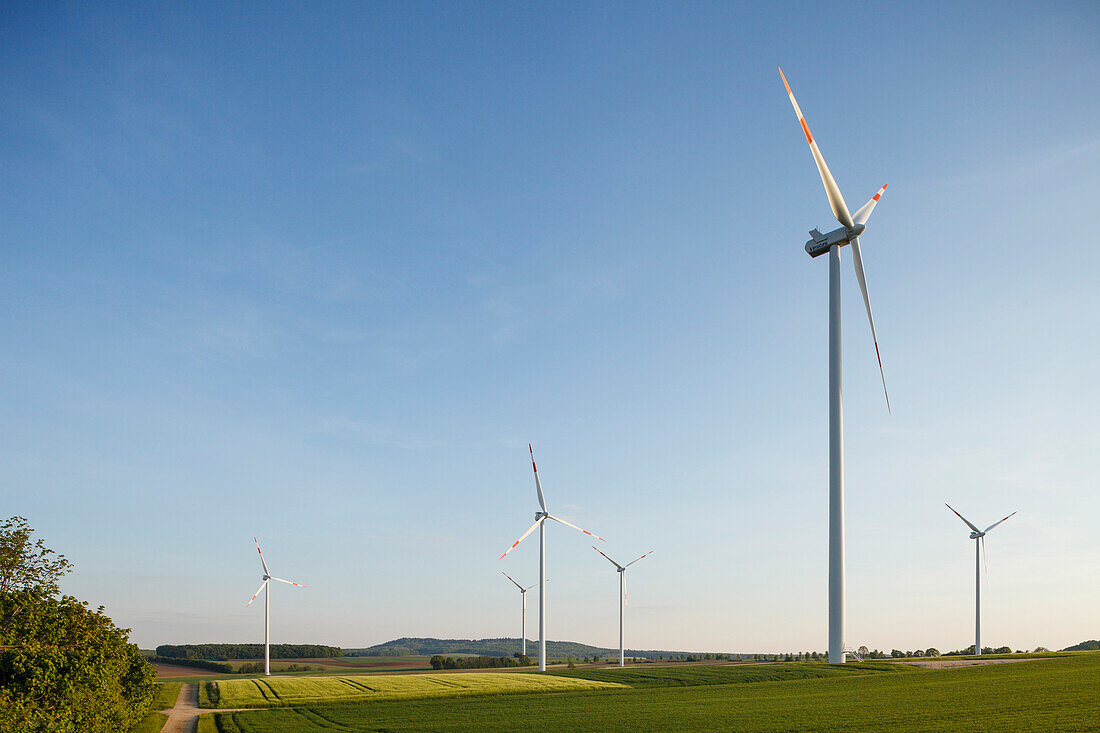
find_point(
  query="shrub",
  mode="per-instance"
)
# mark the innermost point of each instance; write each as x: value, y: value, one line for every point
x: 66, y: 668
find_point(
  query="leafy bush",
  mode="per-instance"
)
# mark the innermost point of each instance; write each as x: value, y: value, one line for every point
x: 67, y: 669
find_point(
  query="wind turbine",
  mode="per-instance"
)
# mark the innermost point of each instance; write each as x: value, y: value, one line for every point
x: 523, y: 623
x: 978, y: 535
x: 540, y: 523
x: 848, y: 233
x: 267, y: 606
x: 622, y: 595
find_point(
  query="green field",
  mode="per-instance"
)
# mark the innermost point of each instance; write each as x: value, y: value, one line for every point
x: 688, y: 676
x: 282, y: 691
x: 163, y: 698
x: 1043, y: 695
x: 166, y: 694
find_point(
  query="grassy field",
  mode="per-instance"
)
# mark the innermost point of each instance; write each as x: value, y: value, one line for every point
x: 282, y: 691
x: 166, y: 695
x: 720, y: 675
x: 164, y: 698
x: 1043, y: 695
x: 151, y: 723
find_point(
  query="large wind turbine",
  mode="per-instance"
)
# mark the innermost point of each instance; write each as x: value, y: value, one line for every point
x: 622, y: 595
x: 523, y: 622
x: 540, y: 523
x: 266, y: 585
x: 978, y: 535
x: 848, y: 233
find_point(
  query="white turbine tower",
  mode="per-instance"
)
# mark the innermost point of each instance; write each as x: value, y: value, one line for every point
x: 622, y: 595
x: 978, y: 535
x: 523, y: 622
x: 831, y: 243
x: 266, y: 585
x: 540, y: 523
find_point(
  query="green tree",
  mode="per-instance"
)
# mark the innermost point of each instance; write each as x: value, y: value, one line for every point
x: 25, y: 564
x: 63, y: 667
x: 67, y: 669
x: 436, y: 661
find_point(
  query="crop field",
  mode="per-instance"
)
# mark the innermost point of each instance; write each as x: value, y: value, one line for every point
x: 318, y: 666
x: 282, y: 691
x: 1040, y: 695
x: 721, y: 675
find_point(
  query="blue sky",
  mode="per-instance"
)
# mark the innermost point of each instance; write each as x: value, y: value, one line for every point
x: 319, y: 273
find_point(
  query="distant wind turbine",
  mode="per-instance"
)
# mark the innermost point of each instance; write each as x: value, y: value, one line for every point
x: 523, y: 622
x: 622, y: 595
x: 978, y: 535
x: 266, y: 585
x: 852, y: 227
x: 540, y: 523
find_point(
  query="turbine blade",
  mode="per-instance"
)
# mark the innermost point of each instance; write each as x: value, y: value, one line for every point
x: 864, y: 212
x: 288, y: 582
x: 261, y: 555
x: 509, y: 577
x: 996, y: 523
x: 626, y: 593
x: 524, y: 536
x: 262, y: 586
x: 567, y: 524
x: 832, y: 191
x: 985, y: 559
x: 536, y: 585
x: 857, y: 260
x: 634, y: 561
x: 968, y: 524
x: 538, y: 484
x: 620, y: 567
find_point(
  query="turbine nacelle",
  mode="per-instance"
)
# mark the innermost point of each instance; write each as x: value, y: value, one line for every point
x: 821, y: 243
x: 976, y: 535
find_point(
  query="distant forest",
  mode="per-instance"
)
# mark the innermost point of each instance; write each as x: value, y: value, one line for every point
x: 503, y: 647
x: 1085, y: 646
x: 222, y: 652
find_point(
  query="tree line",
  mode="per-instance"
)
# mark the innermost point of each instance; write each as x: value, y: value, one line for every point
x: 222, y: 652
x: 440, y: 662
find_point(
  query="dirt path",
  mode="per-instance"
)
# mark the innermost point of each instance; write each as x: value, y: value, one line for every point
x: 184, y: 717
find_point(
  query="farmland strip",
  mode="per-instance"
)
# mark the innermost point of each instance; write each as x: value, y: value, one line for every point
x: 273, y: 692
x: 261, y: 690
